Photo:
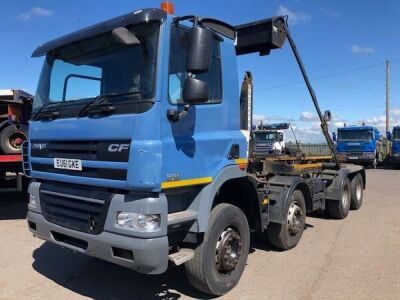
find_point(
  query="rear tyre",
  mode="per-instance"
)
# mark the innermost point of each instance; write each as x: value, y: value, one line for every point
x: 11, y: 139
x: 220, y: 259
x: 357, y: 192
x: 286, y: 236
x: 340, y: 209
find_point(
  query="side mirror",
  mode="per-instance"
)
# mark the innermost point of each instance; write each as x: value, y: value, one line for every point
x: 334, y: 138
x: 281, y: 137
x: 327, y: 116
x: 195, y: 91
x: 389, y: 135
x: 200, y: 49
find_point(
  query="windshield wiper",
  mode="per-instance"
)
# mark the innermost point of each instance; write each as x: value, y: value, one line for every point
x: 98, y: 101
x: 46, y: 114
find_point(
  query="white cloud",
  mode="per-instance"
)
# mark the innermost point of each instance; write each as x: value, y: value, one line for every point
x: 258, y: 118
x: 294, y: 17
x: 329, y: 12
x: 380, y: 121
x: 362, y: 50
x: 396, y: 112
x: 307, y: 116
x: 35, y: 12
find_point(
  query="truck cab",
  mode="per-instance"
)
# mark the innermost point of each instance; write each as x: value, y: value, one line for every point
x: 267, y: 142
x: 139, y: 149
x: 361, y: 145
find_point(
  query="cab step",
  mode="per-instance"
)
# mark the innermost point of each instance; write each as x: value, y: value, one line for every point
x: 182, y: 256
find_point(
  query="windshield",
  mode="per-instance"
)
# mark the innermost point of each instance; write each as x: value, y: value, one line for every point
x: 396, y: 134
x: 76, y: 74
x: 265, y: 136
x: 354, y: 135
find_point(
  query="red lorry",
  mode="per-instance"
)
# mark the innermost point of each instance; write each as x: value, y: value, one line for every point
x: 15, y: 110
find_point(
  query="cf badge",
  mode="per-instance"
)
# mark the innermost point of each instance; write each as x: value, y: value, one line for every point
x: 118, y: 147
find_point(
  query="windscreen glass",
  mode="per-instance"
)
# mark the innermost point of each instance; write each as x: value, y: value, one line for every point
x: 102, y: 66
x: 265, y: 137
x: 354, y: 135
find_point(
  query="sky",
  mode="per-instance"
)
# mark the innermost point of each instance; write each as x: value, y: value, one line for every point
x: 344, y: 45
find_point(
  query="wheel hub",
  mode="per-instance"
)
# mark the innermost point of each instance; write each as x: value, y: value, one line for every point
x: 295, y: 218
x: 228, y: 250
x: 16, y: 140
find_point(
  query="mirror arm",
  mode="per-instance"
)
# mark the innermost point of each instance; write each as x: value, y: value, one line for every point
x: 175, y: 115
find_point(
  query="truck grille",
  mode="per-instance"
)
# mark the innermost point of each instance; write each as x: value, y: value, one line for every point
x: 75, y: 207
x: 103, y: 173
x: 84, y: 150
x: 262, y: 149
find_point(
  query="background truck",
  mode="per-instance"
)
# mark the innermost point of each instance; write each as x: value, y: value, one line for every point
x: 362, y: 145
x: 154, y: 164
x: 395, y: 150
x: 15, y: 110
x: 268, y: 139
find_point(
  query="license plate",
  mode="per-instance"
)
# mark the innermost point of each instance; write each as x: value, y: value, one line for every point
x: 353, y: 157
x: 68, y: 164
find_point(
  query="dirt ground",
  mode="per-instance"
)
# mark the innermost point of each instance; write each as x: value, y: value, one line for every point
x: 355, y: 258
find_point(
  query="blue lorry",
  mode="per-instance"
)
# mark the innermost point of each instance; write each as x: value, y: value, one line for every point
x: 361, y: 145
x: 138, y: 149
x: 395, y: 149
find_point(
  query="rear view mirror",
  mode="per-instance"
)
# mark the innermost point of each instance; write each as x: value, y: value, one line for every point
x: 334, y: 138
x: 195, y: 91
x: 125, y: 37
x: 389, y: 135
x: 280, y: 136
x: 200, y: 50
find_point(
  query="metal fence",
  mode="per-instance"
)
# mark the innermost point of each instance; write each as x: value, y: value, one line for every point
x: 311, y: 149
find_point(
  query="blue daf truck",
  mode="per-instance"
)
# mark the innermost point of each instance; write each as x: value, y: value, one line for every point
x: 395, y: 151
x: 138, y: 149
x: 361, y: 145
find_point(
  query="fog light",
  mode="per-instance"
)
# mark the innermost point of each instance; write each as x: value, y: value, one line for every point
x: 32, y: 201
x: 140, y: 222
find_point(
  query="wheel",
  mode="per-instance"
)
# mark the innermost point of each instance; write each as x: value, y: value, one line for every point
x: 286, y: 236
x: 220, y: 259
x: 340, y: 209
x: 11, y: 139
x: 357, y: 192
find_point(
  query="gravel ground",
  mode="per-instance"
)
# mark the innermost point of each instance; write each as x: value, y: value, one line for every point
x: 355, y: 258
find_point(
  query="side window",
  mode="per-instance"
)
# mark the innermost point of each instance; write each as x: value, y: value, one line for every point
x: 177, y: 67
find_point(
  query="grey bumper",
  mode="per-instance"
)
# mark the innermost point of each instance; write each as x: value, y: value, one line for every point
x: 150, y: 255
x: 357, y: 157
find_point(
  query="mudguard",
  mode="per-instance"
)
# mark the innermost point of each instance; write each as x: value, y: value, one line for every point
x: 279, y: 190
x: 204, y: 200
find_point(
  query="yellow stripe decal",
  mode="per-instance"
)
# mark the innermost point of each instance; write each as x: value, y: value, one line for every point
x: 307, y: 166
x: 185, y: 182
x: 241, y: 161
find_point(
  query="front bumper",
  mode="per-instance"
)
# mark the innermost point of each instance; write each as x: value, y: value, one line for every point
x: 363, y: 157
x: 149, y: 255
x: 145, y: 252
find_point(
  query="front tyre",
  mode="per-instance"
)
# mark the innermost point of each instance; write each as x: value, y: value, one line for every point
x: 220, y: 259
x: 340, y: 209
x: 287, y: 235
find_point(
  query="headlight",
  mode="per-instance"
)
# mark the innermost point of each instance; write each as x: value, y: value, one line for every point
x: 32, y: 201
x: 140, y: 222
